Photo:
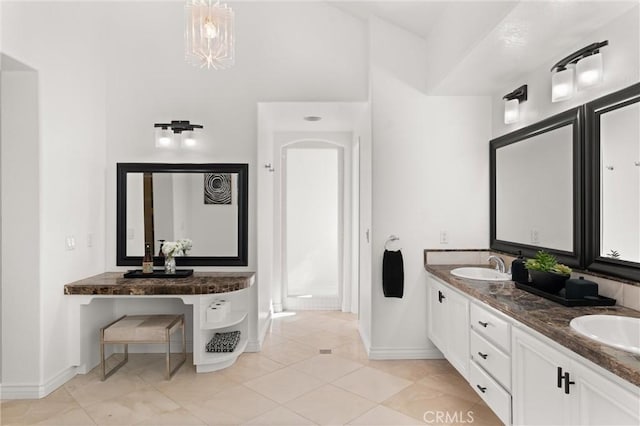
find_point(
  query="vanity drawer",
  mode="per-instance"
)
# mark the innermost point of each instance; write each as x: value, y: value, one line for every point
x: 491, y: 393
x: 491, y: 326
x: 491, y: 359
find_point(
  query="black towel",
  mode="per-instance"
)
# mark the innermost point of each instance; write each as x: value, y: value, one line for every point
x: 392, y: 274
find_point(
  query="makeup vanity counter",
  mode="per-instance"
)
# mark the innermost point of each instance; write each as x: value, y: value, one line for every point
x: 196, y: 292
x: 113, y: 283
x: 514, y: 347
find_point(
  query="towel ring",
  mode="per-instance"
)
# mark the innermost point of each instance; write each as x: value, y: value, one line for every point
x: 391, y: 239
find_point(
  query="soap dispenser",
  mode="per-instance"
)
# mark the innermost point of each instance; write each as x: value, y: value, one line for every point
x: 519, y: 272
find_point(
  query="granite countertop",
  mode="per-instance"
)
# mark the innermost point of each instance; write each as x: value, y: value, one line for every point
x: 550, y: 319
x: 114, y: 284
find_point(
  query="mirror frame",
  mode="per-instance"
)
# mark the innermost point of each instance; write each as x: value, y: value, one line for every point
x: 243, y: 212
x: 594, y: 260
x: 573, y: 117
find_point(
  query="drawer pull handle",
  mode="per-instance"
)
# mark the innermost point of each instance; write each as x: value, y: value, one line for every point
x: 440, y: 296
x: 567, y: 382
x: 484, y: 356
x: 484, y: 324
x: 560, y: 377
x: 482, y: 388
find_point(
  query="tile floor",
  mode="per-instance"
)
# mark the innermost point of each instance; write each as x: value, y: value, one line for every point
x: 288, y: 383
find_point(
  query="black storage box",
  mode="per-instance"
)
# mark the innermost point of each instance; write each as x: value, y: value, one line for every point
x: 580, y: 288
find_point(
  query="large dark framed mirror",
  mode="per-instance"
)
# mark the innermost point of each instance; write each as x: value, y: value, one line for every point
x: 206, y: 203
x: 536, y: 187
x: 613, y: 184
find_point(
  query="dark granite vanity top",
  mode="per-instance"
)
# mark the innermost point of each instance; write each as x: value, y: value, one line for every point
x: 113, y: 284
x: 549, y: 318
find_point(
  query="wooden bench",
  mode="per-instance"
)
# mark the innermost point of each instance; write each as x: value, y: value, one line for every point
x: 142, y: 329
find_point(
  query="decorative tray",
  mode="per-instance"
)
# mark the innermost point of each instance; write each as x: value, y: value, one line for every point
x: 158, y: 273
x: 559, y: 298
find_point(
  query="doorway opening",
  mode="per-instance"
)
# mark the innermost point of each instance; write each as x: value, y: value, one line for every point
x: 313, y: 225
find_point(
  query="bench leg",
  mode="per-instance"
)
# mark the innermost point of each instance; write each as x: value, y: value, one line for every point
x: 169, y: 373
x: 168, y: 356
x: 103, y: 363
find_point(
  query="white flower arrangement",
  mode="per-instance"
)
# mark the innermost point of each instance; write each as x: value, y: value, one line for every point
x: 176, y: 248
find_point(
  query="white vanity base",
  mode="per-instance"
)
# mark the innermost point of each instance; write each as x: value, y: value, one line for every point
x: 85, y: 313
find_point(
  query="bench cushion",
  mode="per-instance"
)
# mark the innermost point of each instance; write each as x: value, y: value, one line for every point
x: 141, y: 328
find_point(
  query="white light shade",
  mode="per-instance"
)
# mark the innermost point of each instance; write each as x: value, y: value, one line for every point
x: 209, y: 34
x: 589, y: 71
x: 562, y: 85
x: 164, y: 138
x: 511, y: 111
x: 188, y: 139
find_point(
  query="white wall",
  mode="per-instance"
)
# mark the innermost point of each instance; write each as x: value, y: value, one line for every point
x: 362, y: 132
x: 430, y: 173
x: 621, y: 69
x: 71, y: 172
x: 20, y: 204
x: 157, y: 85
x: 266, y: 219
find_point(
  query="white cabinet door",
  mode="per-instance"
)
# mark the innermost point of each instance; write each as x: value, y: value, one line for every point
x: 542, y: 395
x: 537, y: 399
x: 600, y: 401
x: 457, y: 339
x: 438, y: 326
x: 449, y: 324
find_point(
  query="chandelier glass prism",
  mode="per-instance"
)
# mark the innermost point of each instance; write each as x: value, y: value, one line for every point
x: 209, y: 34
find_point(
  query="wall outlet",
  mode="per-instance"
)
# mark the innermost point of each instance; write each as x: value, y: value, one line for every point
x: 70, y: 242
x: 444, y: 237
x: 90, y: 239
x: 535, y: 236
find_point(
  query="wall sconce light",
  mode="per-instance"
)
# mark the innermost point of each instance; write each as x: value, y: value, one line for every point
x: 512, y: 104
x: 586, y: 63
x: 164, y: 138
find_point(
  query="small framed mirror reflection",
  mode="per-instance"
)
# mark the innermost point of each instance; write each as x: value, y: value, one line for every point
x: 204, y: 203
x: 613, y: 184
x: 536, y: 189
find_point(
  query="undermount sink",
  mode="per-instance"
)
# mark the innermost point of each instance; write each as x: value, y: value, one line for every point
x: 481, y: 274
x: 613, y: 330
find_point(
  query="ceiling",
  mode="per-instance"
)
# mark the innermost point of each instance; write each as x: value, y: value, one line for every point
x: 477, y: 46
x: 474, y: 47
x: 418, y: 17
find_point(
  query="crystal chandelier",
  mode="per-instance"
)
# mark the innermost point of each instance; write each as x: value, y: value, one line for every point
x: 209, y: 34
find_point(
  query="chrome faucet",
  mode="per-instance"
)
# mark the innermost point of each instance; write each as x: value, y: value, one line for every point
x: 499, y: 263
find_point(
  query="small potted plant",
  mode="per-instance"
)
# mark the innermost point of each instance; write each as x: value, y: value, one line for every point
x: 546, y: 273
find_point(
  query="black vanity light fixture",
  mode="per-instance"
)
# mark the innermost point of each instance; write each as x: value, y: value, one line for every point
x: 512, y: 104
x: 164, y: 138
x: 583, y: 65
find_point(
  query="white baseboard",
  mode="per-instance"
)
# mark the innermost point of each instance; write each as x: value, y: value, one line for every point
x: 37, y: 391
x: 277, y: 307
x: 404, y: 353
